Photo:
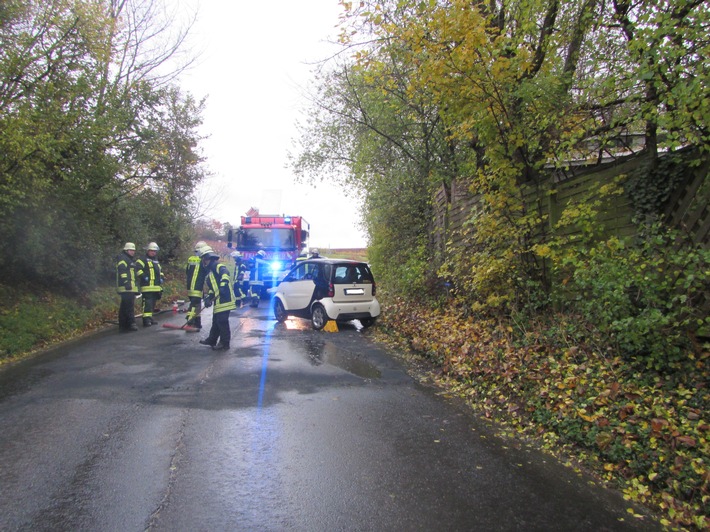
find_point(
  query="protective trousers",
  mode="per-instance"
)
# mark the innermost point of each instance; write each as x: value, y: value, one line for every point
x: 126, y: 311
x: 149, y: 300
x: 193, y: 319
x: 220, y: 329
x: 239, y: 294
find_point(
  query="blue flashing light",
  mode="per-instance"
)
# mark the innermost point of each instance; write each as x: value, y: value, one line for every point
x: 287, y: 220
x: 275, y: 266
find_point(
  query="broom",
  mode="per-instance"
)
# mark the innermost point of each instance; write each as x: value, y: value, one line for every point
x: 185, y: 327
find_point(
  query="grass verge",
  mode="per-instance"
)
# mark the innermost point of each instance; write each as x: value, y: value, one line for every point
x: 37, y: 319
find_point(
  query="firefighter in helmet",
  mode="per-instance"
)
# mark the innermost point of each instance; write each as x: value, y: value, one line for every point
x: 221, y: 294
x: 195, y: 277
x: 127, y: 288
x: 150, y: 281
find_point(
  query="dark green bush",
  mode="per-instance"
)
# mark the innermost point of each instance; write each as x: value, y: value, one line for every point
x: 647, y: 298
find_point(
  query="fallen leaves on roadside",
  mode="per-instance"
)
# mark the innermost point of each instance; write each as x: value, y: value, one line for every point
x: 636, y: 428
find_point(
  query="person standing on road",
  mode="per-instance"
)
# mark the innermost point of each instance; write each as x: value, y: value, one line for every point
x: 258, y: 268
x: 150, y: 280
x: 238, y: 280
x: 195, y: 275
x: 221, y: 293
x: 127, y: 288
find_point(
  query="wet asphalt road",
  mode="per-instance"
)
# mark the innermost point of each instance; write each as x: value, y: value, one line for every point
x: 291, y: 429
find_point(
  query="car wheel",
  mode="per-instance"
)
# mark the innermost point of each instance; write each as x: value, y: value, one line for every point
x: 279, y: 310
x: 318, y: 317
x: 367, y: 322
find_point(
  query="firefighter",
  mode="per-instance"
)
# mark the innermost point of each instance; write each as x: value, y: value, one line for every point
x: 256, y: 277
x: 195, y: 277
x: 238, y: 279
x: 150, y: 280
x: 127, y: 288
x: 221, y: 294
x: 315, y: 254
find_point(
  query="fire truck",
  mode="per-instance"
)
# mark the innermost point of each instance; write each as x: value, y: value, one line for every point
x: 281, y: 238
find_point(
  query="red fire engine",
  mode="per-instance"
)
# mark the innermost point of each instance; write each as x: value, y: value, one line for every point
x: 281, y: 238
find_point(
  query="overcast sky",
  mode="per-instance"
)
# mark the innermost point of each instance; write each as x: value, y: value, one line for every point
x: 254, y: 62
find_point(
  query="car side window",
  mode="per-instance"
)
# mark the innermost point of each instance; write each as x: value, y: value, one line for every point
x: 312, y: 273
x: 326, y: 273
x: 298, y: 274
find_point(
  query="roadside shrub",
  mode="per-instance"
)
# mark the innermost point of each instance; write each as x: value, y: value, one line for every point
x: 407, y: 273
x: 645, y: 297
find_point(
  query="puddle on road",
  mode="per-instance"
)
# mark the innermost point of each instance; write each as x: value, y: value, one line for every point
x: 327, y: 353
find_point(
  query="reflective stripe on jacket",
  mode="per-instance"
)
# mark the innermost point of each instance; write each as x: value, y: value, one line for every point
x: 148, y: 275
x: 220, y: 286
x: 126, y: 274
x: 195, y: 275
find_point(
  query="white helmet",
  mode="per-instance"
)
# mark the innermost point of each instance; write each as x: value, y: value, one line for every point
x: 236, y: 255
x: 152, y: 247
x: 261, y: 254
x: 315, y: 252
x: 128, y: 246
x: 205, y: 250
x: 199, y: 245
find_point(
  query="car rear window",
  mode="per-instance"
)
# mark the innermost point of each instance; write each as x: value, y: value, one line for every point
x: 352, y: 273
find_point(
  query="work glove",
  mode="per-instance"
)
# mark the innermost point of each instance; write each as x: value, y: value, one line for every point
x: 208, y: 301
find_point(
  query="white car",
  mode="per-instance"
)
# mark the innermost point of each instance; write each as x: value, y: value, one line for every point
x: 328, y: 289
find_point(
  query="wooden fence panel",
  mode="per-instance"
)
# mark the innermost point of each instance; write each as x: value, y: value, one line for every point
x: 687, y: 207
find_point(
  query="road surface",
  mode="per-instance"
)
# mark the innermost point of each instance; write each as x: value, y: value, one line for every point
x: 292, y: 429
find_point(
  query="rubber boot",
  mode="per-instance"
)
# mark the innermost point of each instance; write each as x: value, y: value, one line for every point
x: 147, y: 322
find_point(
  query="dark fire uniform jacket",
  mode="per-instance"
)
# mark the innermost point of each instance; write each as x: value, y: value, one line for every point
x: 126, y: 274
x: 149, y: 275
x: 220, y: 287
x: 195, y: 275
